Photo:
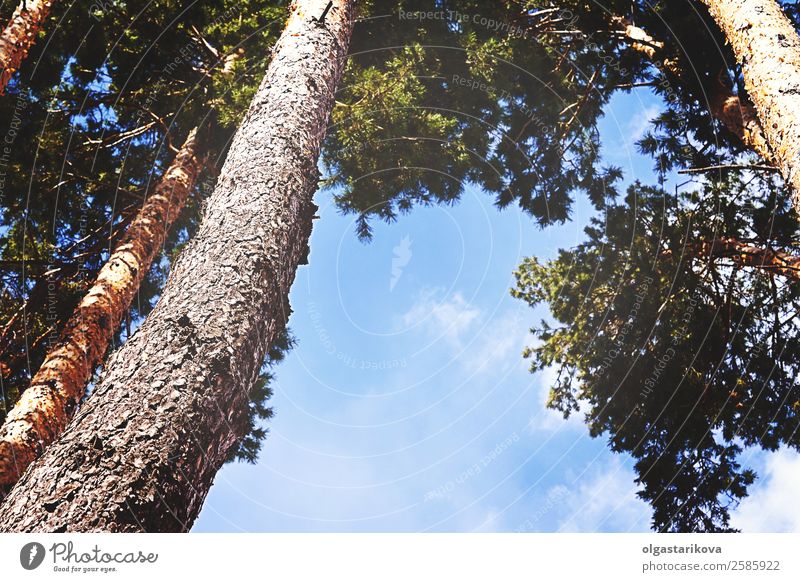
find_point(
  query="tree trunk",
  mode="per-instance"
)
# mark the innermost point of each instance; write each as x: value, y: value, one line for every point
x: 19, y: 35
x: 46, y: 406
x: 767, y: 46
x: 143, y: 450
x: 738, y: 118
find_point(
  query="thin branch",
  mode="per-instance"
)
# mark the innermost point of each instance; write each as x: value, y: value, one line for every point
x: 754, y: 167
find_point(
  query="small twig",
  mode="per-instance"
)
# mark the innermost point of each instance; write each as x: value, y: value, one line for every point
x: 633, y: 85
x: 325, y: 12
x: 729, y: 167
x: 581, y: 102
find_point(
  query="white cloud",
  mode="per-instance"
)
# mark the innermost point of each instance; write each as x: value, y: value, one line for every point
x: 489, y: 523
x: 639, y: 124
x: 772, y: 504
x: 605, y: 501
x: 448, y: 319
x: 499, y: 343
x: 623, y: 144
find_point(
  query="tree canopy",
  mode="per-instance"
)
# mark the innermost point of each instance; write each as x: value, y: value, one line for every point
x: 676, y: 344
x: 715, y: 323
x: 695, y: 291
x: 91, y: 121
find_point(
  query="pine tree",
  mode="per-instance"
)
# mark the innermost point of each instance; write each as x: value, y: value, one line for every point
x: 19, y: 35
x: 172, y: 402
x: 519, y: 120
x: 767, y: 46
x: 105, y: 109
x: 673, y: 331
x: 674, y: 335
x: 55, y: 391
x: 738, y: 117
x: 708, y: 125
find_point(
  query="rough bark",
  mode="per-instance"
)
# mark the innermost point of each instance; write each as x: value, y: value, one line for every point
x: 19, y: 35
x: 738, y: 118
x: 641, y: 41
x: 767, y: 46
x: 46, y: 406
x: 143, y: 450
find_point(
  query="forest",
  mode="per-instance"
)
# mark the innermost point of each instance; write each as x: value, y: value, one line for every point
x: 219, y: 215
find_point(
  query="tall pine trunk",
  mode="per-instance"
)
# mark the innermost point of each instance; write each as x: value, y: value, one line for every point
x: 44, y: 409
x: 768, y: 48
x: 738, y: 118
x: 19, y: 35
x: 143, y: 450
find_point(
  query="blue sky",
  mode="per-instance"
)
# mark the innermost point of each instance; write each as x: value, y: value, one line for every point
x: 407, y: 406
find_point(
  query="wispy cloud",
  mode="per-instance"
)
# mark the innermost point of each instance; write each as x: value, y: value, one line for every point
x: 628, y: 132
x: 605, y: 501
x: 400, y: 260
x: 772, y: 504
x: 449, y: 318
x: 499, y: 343
x: 639, y: 124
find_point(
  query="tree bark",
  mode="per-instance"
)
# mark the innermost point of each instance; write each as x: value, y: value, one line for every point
x: 738, y: 118
x: 19, y: 35
x: 143, y: 450
x: 46, y: 406
x: 767, y: 46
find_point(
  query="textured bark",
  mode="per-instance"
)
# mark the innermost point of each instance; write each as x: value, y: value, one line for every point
x: 46, y: 406
x: 641, y: 41
x: 19, y: 35
x: 767, y: 46
x: 143, y: 450
x: 738, y: 118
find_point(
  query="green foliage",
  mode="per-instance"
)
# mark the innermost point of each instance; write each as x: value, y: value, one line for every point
x: 679, y: 355
x: 93, y: 118
x: 504, y: 95
x: 428, y: 106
